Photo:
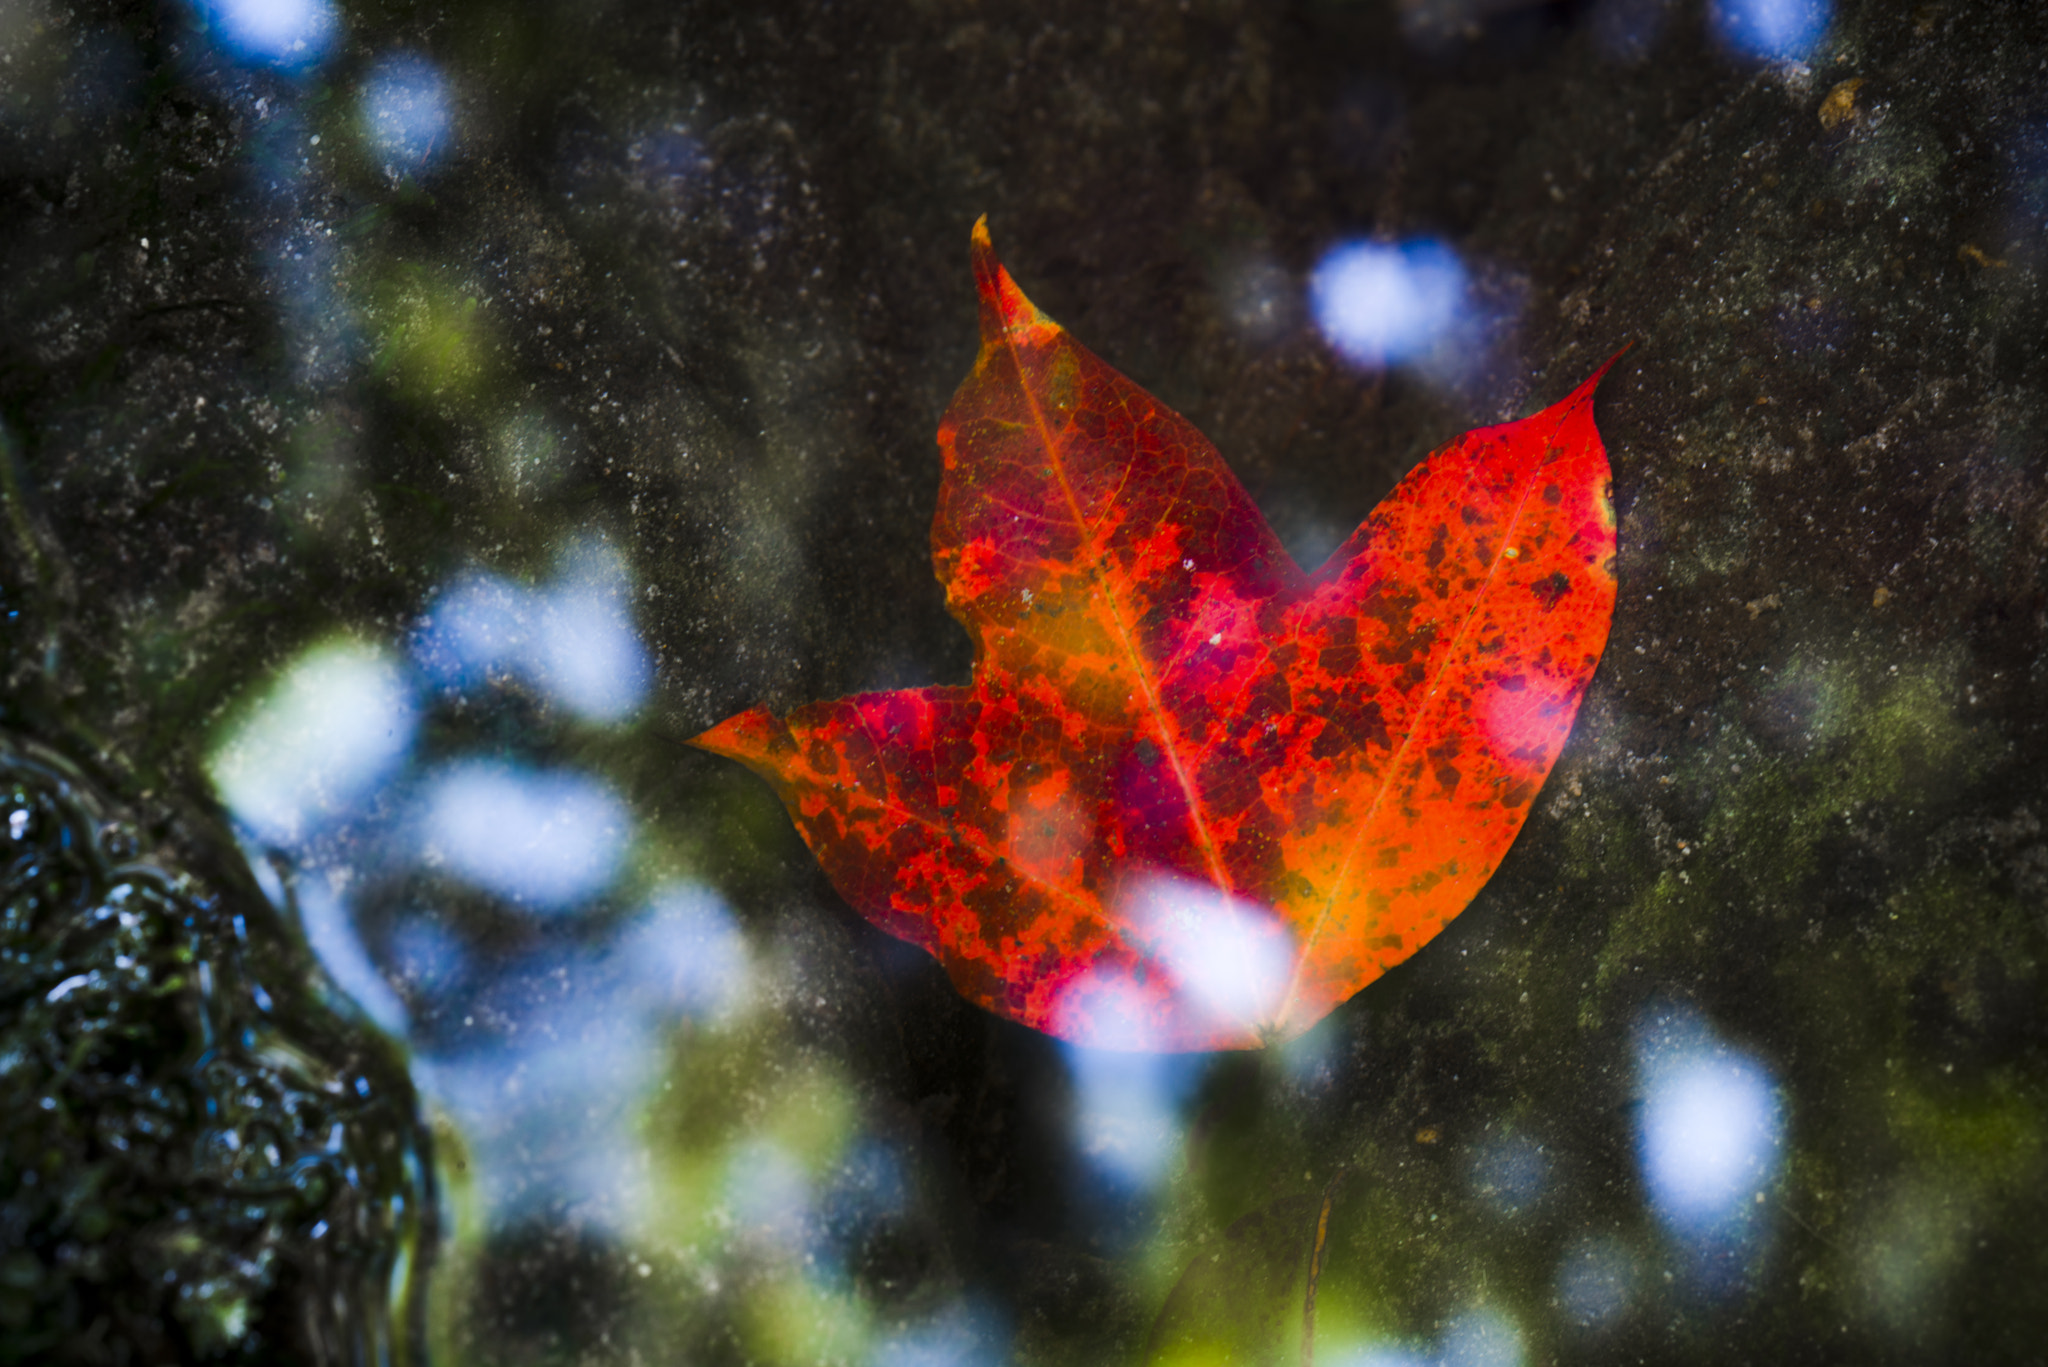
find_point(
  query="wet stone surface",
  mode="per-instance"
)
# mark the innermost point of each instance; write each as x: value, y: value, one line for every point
x: 406, y: 436
x: 204, y: 1158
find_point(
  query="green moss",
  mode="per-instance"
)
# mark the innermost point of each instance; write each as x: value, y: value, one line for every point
x: 433, y: 341
x: 1849, y: 750
x: 1406, y: 1249
x: 1603, y: 841
x: 1652, y: 922
x: 1989, y: 1137
x: 1945, y: 924
x: 1967, y: 1153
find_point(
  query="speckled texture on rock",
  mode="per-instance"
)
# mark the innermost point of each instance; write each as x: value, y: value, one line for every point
x: 695, y: 288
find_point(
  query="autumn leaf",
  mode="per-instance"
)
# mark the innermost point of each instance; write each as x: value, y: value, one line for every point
x: 1194, y: 797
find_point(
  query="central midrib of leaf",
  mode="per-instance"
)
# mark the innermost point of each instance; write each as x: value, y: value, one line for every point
x: 1449, y: 657
x: 1126, y: 637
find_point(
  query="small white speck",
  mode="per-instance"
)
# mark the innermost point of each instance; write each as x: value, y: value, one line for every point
x: 1217, y: 639
x: 1187, y: 564
x: 1511, y: 552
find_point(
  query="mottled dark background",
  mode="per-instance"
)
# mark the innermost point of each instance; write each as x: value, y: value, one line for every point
x: 681, y: 289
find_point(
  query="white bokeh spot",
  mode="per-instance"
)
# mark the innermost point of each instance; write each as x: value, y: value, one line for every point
x: 281, y: 33
x: 1773, y: 30
x: 1230, y: 959
x: 547, y: 839
x: 1710, y: 1128
x: 407, y: 111
x: 1382, y: 304
x: 337, y: 720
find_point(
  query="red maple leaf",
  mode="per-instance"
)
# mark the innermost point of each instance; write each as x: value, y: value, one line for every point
x: 1195, y: 797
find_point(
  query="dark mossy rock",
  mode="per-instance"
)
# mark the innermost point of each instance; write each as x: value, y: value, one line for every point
x: 205, y: 1159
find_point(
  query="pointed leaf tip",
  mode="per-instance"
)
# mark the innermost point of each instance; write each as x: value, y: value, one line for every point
x: 1592, y: 382
x: 749, y: 737
x: 1004, y: 308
